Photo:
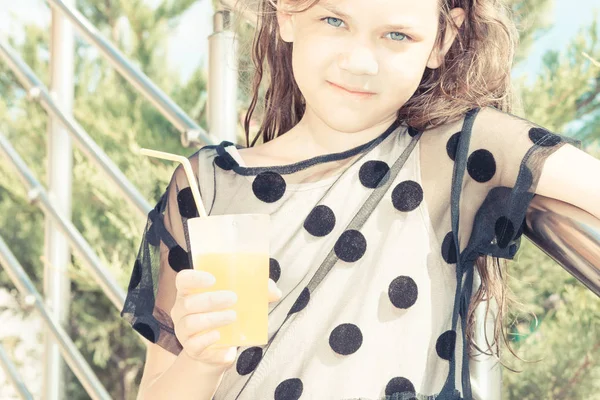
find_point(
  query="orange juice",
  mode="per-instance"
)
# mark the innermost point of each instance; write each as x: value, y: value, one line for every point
x: 246, y: 274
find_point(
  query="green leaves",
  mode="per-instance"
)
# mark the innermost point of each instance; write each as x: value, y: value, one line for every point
x: 120, y: 121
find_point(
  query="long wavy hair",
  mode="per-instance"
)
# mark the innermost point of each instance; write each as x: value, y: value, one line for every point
x: 475, y: 73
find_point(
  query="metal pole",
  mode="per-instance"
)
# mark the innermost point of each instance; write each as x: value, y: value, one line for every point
x: 13, y: 375
x: 191, y: 132
x: 85, y: 143
x: 249, y: 15
x: 59, y: 178
x: 222, y: 78
x: 76, y: 362
x: 37, y: 194
x: 568, y: 235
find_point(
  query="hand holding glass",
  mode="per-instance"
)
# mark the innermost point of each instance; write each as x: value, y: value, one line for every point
x: 234, y: 249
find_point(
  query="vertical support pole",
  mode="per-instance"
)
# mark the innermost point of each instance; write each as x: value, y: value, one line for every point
x: 222, y: 87
x: 57, y: 253
x: 486, y: 371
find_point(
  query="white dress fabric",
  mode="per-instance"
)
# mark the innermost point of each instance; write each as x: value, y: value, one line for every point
x: 364, y: 246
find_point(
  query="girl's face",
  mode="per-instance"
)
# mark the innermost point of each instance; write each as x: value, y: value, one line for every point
x: 377, y: 46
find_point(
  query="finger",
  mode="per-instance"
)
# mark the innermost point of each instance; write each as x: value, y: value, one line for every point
x: 274, y: 291
x: 207, y: 302
x: 197, y: 323
x: 188, y: 280
x: 195, y: 345
x: 213, y: 356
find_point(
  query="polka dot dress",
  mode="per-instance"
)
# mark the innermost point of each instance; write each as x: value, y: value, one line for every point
x: 374, y: 260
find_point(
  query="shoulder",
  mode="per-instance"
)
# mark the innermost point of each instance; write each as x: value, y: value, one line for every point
x: 441, y: 136
x: 285, y: 149
x: 502, y: 128
x: 259, y: 155
x: 201, y: 163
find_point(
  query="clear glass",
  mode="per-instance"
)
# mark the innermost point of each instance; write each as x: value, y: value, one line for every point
x: 235, y: 250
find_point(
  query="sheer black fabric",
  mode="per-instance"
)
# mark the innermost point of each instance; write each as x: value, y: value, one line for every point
x: 373, y: 249
x: 164, y: 251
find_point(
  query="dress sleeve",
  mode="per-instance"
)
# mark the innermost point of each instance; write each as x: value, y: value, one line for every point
x: 162, y: 253
x: 505, y: 160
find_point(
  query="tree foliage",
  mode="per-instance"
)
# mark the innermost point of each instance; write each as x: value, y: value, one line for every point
x: 120, y: 121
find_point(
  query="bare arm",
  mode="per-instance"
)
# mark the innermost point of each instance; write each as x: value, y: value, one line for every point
x: 167, y: 376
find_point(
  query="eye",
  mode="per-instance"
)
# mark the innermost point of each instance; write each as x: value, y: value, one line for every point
x: 336, y: 21
x: 399, y: 37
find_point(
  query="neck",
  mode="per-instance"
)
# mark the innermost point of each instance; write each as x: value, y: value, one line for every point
x: 314, y: 137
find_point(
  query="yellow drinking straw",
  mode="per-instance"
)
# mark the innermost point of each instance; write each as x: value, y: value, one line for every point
x: 187, y: 167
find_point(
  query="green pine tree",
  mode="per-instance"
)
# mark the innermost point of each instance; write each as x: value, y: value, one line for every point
x: 120, y: 121
x: 559, y: 324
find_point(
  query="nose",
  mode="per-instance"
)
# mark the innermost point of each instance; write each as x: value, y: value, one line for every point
x: 359, y: 60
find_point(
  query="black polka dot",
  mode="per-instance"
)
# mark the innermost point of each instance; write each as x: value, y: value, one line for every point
x: 373, y: 174
x: 449, y: 249
x: 320, y: 222
x: 413, y: 131
x: 400, y: 387
x: 248, y: 360
x: 274, y: 269
x: 504, y: 230
x: 186, y: 203
x: 522, y: 228
x: 407, y: 196
x: 178, y: 258
x: 543, y: 137
x: 136, y: 275
x: 445, y: 345
x: 152, y: 235
x: 345, y: 339
x: 350, y: 246
x: 403, y: 292
x: 146, y: 331
x: 268, y: 186
x: 452, y: 145
x: 481, y: 165
x: 290, y: 389
x: 225, y: 162
x: 301, y: 301
x: 524, y: 181
x: 512, y: 250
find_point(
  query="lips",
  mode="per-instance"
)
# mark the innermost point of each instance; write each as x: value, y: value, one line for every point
x: 351, y: 90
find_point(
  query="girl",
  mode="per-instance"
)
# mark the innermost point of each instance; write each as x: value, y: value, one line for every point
x: 393, y: 172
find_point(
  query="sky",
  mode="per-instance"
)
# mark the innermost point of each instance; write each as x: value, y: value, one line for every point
x: 187, y: 46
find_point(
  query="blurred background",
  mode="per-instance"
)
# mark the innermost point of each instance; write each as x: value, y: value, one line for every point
x: 557, y: 75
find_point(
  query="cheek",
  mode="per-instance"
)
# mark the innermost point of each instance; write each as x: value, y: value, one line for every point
x: 405, y: 67
x: 311, y: 61
x: 401, y: 77
x: 314, y: 48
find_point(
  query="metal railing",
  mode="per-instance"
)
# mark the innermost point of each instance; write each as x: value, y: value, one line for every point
x: 72, y: 356
x: 191, y: 132
x: 58, y: 106
x: 13, y: 374
x: 38, y: 195
x: 568, y: 235
x: 38, y: 91
x: 581, y: 258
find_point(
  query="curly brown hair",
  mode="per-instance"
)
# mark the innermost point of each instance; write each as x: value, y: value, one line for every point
x: 474, y: 73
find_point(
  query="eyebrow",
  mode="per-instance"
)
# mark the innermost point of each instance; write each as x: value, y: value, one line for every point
x: 332, y: 8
